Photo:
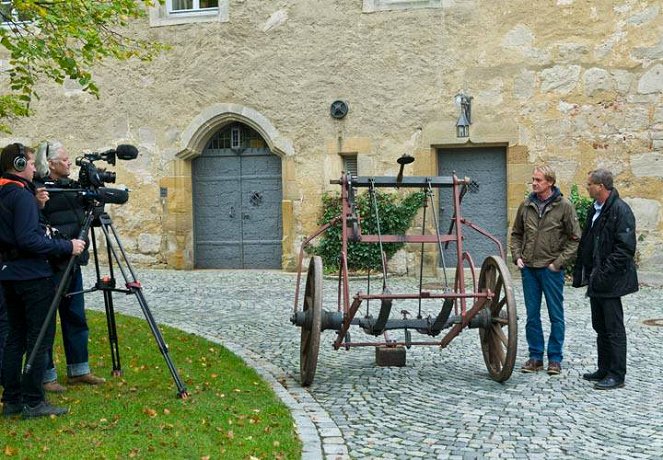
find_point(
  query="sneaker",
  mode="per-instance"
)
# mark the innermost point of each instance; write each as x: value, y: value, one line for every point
x: 532, y: 365
x: 89, y: 379
x: 554, y: 368
x: 43, y: 409
x: 54, y: 387
x: 9, y: 409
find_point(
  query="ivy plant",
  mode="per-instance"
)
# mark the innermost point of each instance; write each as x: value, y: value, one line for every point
x: 582, y: 204
x: 396, y: 213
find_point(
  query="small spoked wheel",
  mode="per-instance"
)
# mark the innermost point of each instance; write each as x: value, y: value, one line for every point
x: 499, y: 340
x: 310, y: 334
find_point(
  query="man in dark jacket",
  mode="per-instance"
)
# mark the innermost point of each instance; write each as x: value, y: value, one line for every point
x: 605, y: 264
x: 64, y: 212
x: 25, y: 276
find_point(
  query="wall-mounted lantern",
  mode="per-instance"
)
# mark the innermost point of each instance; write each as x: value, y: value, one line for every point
x: 464, y: 102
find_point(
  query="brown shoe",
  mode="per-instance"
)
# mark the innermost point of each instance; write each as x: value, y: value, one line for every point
x: 554, y: 368
x: 88, y: 379
x: 54, y: 387
x: 532, y: 365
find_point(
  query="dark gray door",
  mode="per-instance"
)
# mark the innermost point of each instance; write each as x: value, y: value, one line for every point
x: 237, y: 208
x: 486, y: 208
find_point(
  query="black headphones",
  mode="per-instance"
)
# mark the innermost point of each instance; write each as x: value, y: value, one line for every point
x: 20, y: 161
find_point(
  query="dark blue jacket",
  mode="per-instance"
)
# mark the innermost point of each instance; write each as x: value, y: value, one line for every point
x: 23, y: 242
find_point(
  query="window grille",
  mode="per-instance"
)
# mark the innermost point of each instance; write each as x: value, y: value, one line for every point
x: 236, y: 136
x: 350, y: 165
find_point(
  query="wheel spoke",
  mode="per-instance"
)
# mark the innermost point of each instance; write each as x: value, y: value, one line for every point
x: 499, y: 351
x: 500, y: 334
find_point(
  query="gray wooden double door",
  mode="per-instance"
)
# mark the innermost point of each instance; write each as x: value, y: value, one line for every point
x: 486, y: 207
x: 237, y: 209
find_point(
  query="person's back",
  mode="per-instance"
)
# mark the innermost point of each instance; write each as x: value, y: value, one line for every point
x: 27, y: 286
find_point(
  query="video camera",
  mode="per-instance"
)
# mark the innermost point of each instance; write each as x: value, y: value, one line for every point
x: 91, y: 179
x: 91, y: 176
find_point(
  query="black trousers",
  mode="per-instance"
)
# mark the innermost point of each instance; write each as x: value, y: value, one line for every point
x: 4, y: 328
x: 608, y: 322
x: 27, y: 304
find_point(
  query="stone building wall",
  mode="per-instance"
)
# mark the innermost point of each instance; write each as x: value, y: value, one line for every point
x: 572, y: 83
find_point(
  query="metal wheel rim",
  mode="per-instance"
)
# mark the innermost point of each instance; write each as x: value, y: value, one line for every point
x: 310, y: 333
x: 499, y: 346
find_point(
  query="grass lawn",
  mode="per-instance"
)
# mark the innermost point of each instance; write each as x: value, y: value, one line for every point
x: 230, y: 412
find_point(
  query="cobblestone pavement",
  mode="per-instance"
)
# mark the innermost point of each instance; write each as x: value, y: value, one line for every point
x: 443, y: 403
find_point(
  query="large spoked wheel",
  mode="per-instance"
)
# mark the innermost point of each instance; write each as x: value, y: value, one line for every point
x: 499, y: 341
x: 310, y: 335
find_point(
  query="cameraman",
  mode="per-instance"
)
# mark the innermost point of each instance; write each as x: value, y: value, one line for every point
x: 26, y: 281
x: 64, y: 212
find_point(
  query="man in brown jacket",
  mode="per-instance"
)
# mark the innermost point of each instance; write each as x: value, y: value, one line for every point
x: 544, y: 241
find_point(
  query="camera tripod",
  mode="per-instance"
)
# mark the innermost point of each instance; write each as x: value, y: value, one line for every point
x: 96, y: 217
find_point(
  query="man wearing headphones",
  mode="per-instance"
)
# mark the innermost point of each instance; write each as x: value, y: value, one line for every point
x: 25, y: 276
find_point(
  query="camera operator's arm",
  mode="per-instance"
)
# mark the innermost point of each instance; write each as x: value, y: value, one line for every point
x: 29, y: 234
x: 42, y: 197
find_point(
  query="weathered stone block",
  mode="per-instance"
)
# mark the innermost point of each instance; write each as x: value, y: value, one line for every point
x: 652, y: 80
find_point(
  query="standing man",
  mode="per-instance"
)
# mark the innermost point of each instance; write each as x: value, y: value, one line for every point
x: 544, y: 240
x: 606, y: 265
x: 25, y: 275
x: 64, y: 212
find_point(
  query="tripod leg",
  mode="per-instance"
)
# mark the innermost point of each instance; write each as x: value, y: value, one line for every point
x: 161, y: 343
x: 135, y: 287
x: 64, y: 282
x: 106, y: 285
x: 112, y: 333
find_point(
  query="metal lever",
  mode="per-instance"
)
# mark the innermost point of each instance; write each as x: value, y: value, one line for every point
x: 405, y: 159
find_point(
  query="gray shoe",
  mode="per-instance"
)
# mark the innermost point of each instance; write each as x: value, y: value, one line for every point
x: 43, y: 409
x: 9, y: 409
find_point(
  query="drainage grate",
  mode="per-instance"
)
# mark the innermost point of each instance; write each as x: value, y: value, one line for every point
x: 653, y: 322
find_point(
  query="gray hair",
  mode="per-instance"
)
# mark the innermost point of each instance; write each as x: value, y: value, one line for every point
x: 47, y: 150
x: 548, y: 173
x: 601, y: 176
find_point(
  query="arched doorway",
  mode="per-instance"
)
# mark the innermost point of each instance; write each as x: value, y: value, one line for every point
x: 237, y: 198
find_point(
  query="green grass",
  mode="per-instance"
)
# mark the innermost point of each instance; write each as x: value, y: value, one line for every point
x: 230, y: 412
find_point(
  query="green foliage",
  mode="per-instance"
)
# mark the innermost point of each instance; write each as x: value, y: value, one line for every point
x: 396, y: 213
x: 230, y: 411
x: 582, y: 204
x: 58, y: 40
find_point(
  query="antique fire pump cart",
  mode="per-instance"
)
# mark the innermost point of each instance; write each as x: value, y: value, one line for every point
x: 488, y: 305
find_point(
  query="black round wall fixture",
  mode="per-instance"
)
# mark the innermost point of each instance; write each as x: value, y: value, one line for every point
x: 338, y: 109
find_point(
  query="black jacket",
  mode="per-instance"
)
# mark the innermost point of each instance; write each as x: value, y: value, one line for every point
x: 605, y: 262
x: 23, y: 241
x: 65, y: 212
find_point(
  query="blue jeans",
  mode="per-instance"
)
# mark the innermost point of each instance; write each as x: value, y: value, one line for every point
x: 75, y: 330
x: 537, y: 281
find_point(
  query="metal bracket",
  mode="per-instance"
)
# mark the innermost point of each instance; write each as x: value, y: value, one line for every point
x: 256, y: 198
